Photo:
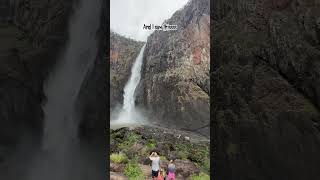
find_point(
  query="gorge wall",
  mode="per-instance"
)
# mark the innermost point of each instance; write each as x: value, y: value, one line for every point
x: 266, y: 89
x: 175, y: 75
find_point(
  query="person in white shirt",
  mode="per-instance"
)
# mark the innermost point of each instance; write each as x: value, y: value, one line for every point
x: 155, y: 166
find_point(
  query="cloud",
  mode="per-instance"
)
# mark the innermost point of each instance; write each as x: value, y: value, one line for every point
x: 127, y: 17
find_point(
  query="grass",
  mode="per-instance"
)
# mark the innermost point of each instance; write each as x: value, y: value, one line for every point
x: 201, y: 176
x: 118, y: 158
x: 133, y: 171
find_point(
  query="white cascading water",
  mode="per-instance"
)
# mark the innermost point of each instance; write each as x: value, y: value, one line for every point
x: 60, y: 156
x: 129, y: 114
x: 63, y: 85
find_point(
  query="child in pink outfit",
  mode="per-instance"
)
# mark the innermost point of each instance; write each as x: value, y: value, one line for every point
x: 171, y: 171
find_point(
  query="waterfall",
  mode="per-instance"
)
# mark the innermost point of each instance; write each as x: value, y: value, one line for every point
x: 64, y: 83
x: 61, y: 157
x: 129, y: 89
x: 129, y: 114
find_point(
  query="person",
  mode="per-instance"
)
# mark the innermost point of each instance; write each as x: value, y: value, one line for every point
x: 155, y: 166
x: 161, y: 175
x: 171, y: 170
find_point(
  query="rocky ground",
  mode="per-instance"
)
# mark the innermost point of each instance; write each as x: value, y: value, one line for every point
x: 190, y: 151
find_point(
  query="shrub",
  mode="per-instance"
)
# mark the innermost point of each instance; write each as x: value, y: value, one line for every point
x: 133, y: 171
x: 129, y: 142
x: 151, y: 144
x: 200, y: 155
x: 206, y: 165
x: 201, y: 176
x: 182, y: 155
x: 183, y: 151
x: 118, y: 158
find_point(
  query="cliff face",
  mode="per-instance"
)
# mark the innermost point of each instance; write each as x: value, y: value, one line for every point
x: 93, y: 99
x: 175, y: 77
x: 266, y: 89
x: 123, y: 52
x: 42, y: 22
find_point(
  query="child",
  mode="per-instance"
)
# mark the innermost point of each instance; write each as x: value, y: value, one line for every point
x: 171, y: 170
x: 161, y: 175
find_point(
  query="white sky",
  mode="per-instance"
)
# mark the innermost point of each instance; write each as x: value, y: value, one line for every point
x: 128, y: 16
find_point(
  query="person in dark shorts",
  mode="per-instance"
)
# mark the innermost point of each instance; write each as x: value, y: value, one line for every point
x: 155, y: 166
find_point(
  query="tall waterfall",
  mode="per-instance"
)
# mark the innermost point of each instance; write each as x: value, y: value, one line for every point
x: 64, y: 83
x: 129, y: 114
x: 61, y: 157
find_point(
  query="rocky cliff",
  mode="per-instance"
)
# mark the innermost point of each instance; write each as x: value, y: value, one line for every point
x: 93, y: 98
x: 266, y: 89
x: 123, y: 52
x: 175, y: 78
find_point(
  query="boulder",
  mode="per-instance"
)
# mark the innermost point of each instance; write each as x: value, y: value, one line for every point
x: 114, y: 167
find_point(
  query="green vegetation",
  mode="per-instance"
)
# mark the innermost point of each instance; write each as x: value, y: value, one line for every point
x: 151, y: 144
x: 206, y: 165
x: 197, y: 153
x: 129, y: 142
x: 201, y: 176
x: 182, y: 155
x: 118, y: 158
x: 133, y: 171
x: 183, y: 151
x: 136, y: 148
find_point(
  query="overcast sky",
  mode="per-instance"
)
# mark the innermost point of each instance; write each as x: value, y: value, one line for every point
x: 128, y: 16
